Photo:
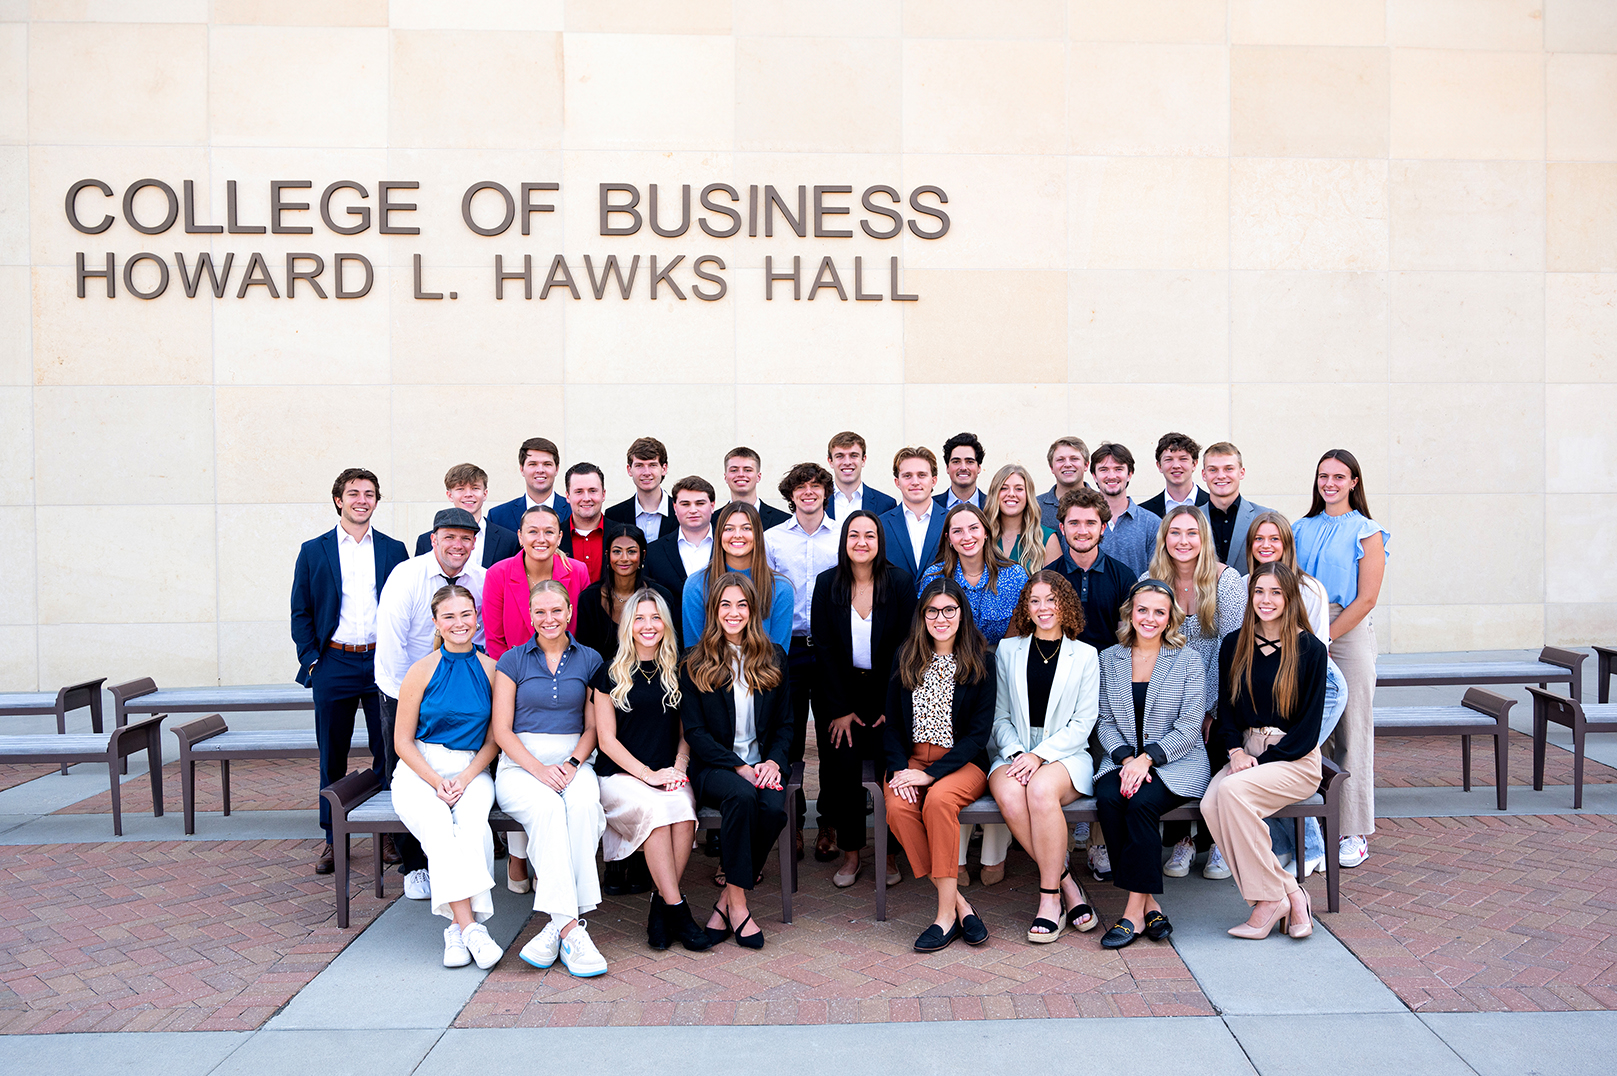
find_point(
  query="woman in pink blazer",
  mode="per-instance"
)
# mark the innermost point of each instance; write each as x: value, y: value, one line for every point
x: 506, y: 621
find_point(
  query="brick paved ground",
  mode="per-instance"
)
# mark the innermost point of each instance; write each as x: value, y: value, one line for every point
x: 835, y: 964
x: 270, y: 784
x: 1488, y: 913
x: 163, y: 936
x: 12, y: 775
x: 1434, y: 761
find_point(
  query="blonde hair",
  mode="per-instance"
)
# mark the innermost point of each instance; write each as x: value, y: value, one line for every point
x: 1172, y: 636
x: 549, y: 586
x: 1028, y: 550
x: 626, y: 664
x: 1208, y: 569
x: 443, y: 594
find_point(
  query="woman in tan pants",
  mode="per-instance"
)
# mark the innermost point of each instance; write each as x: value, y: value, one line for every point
x: 1271, y: 701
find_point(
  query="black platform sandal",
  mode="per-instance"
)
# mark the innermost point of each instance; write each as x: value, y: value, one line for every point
x: 1043, y: 931
x: 1081, y: 911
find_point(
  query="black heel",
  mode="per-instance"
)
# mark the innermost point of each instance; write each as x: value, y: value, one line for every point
x: 680, y: 925
x: 1081, y: 911
x: 717, y: 934
x: 1050, y: 931
x: 657, y: 923
x: 749, y: 941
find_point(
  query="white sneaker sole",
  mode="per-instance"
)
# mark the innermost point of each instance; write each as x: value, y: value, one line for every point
x: 1174, y: 870
x: 534, y: 963
x: 582, y: 974
x: 1352, y: 862
x: 457, y: 960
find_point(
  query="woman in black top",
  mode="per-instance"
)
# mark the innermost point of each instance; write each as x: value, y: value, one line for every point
x: 1270, y: 704
x: 735, y: 702
x: 642, y: 763
x: 860, y: 615
x: 601, y: 605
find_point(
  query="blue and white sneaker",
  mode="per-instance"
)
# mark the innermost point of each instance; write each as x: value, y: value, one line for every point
x: 541, y: 951
x: 579, y: 955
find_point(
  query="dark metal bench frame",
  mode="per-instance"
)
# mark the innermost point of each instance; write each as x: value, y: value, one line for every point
x: 69, y: 698
x: 1570, y: 713
x: 193, y: 733
x: 1083, y: 810
x: 142, y: 735
x: 1489, y: 705
x: 351, y: 791
x: 1458, y: 675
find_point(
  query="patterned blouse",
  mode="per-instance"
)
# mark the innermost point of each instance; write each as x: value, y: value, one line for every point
x: 992, y: 609
x: 934, y: 703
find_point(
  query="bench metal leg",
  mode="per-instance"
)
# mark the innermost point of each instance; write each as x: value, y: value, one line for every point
x: 340, y: 849
x: 1541, y: 736
x: 1577, y: 760
x: 1300, y: 852
x: 188, y: 792
x: 117, y: 799
x: 879, y: 821
x: 1333, y: 863
x: 376, y: 861
x: 1465, y: 763
x: 1501, y: 763
x: 224, y: 783
x: 154, y: 766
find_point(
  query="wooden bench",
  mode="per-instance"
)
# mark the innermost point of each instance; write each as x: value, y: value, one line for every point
x: 209, y: 739
x: 72, y: 697
x: 359, y: 805
x: 1554, y: 666
x: 1480, y: 713
x: 1581, y: 719
x: 65, y: 750
x: 143, y: 696
x: 1324, y: 804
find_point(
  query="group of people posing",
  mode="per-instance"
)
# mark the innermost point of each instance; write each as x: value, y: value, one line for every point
x: 626, y: 664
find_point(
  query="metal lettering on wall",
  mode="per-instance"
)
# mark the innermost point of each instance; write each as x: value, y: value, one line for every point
x: 490, y: 209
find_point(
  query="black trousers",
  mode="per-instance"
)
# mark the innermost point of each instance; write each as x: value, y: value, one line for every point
x: 1130, y: 825
x: 414, y: 858
x: 842, y: 796
x: 751, y: 819
x: 342, y: 683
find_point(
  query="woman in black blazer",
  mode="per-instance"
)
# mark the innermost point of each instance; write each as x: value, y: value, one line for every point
x: 735, y: 703
x: 860, y: 616
x: 601, y: 605
x: 940, y: 713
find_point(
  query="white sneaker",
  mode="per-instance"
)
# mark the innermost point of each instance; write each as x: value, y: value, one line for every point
x: 1080, y: 833
x: 1100, y: 862
x: 1178, y: 865
x: 418, y: 885
x: 1216, y: 868
x: 1285, y: 861
x: 456, y: 955
x: 482, y: 947
x: 541, y: 952
x: 1312, y: 865
x: 1352, y: 851
x: 579, y: 955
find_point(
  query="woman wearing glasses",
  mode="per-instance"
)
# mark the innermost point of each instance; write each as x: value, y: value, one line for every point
x: 1152, y: 700
x: 940, y: 714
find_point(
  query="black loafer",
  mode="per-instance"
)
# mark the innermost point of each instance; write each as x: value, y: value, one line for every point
x: 615, y: 882
x: 326, y: 864
x: 973, y: 930
x: 1119, y: 936
x: 1157, y: 926
x: 933, y: 938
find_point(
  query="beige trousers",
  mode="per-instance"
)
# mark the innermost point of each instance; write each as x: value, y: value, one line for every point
x: 1235, y: 806
x: 1353, y: 745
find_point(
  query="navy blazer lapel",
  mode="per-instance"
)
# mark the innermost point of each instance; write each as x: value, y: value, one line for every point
x: 934, y: 536
x: 328, y: 543
x: 901, y: 534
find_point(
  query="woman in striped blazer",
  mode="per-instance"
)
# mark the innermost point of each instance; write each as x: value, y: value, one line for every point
x: 1152, y: 699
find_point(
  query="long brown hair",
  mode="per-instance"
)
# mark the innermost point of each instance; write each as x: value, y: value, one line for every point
x: 970, y: 648
x: 993, y: 560
x: 1288, y: 543
x: 1358, y: 500
x: 1071, y: 609
x: 763, y: 576
x: 709, y: 662
x: 1293, y: 622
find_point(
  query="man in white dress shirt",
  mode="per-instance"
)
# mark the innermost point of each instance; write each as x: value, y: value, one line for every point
x: 687, y: 547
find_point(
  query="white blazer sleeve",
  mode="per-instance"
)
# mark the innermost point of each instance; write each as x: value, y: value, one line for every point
x: 1073, y: 737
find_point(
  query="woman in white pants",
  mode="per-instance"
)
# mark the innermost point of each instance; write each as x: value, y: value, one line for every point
x: 545, y: 780
x: 442, y: 790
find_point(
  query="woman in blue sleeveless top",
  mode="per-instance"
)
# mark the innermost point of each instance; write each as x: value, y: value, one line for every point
x: 442, y: 789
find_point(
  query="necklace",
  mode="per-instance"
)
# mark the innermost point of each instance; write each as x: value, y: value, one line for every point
x: 1046, y: 658
x: 650, y: 674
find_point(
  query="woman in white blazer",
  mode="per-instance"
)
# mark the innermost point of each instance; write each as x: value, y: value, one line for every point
x: 1045, y: 705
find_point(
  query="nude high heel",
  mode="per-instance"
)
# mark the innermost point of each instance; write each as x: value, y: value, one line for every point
x: 1258, y: 933
x: 1306, y: 927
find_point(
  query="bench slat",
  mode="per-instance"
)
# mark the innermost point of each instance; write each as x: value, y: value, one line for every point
x: 35, y: 742
x: 190, y: 699
x: 19, y: 703
x: 1525, y: 672
x: 279, y: 739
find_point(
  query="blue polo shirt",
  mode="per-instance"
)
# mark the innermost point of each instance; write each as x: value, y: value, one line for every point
x: 550, y: 702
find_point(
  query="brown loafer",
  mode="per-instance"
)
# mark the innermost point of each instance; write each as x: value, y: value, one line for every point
x: 326, y: 864
x: 993, y: 874
x: 963, y: 877
x: 825, y: 845
x: 390, y: 850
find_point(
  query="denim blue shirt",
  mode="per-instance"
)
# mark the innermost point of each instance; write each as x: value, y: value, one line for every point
x: 1131, y: 538
x: 991, y: 609
x: 550, y: 702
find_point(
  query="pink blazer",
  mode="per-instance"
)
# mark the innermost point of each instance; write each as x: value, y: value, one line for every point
x: 506, y: 621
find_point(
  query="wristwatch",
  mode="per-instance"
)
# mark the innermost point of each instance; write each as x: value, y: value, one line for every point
x: 572, y: 760
x: 1014, y: 755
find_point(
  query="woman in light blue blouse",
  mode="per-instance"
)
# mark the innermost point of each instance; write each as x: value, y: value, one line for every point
x: 992, y: 581
x: 1341, y: 546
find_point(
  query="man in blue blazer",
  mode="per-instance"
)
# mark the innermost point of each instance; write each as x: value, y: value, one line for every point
x: 845, y: 455
x: 335, y: 587
x: 963, y: 461
x: 915, y: 528
x: 540, y: 461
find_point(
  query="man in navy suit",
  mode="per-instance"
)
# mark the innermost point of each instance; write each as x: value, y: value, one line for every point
x: 963, y: 460
x: 466, y: 486
x: 742, y: 469
x: 540, y: 461
x: 335, y: 588
x: 915, y: 528
x: 686, y: 548
x: 650, y: 508
x: 1176, y: 460
x: 846, y: 457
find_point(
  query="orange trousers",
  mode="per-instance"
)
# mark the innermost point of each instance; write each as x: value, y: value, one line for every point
x: 930, y: 829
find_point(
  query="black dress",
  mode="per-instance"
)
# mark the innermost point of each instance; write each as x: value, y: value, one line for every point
x: 596, y: 628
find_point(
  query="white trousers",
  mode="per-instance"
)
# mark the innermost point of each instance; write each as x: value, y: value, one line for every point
x: 563, y: 829
x: 996, y: 843
x: 457, y: 840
